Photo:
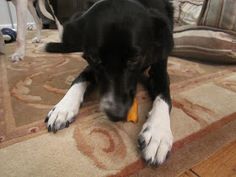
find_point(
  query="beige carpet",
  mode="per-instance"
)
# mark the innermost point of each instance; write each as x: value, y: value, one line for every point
x: 204, y: 99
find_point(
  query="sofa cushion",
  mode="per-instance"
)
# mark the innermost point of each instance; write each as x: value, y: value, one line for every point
x: 205, y: 44
x: 220, y: 14
x: 187, y: 11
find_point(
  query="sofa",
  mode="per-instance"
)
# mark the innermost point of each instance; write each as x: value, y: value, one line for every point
x: 205, y: 30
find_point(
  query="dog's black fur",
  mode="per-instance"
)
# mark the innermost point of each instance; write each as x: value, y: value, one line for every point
x: 120, y: 39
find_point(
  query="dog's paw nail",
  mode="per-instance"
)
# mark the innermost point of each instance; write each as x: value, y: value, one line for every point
x: 67, y: 124
x: 150, y: 162
x: 141, y: 143
x: 54, y: 130
x: 46, y: 120
x: 49, y: 128
x: 168, y: 155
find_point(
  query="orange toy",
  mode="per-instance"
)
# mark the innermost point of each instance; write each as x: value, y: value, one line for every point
x: 133, y: 112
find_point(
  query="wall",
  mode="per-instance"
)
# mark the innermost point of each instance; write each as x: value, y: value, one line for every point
x: 5, y: 16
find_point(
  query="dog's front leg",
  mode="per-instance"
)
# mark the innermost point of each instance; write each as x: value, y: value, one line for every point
x: 155, y: 139
x: 21, y: 12
x: 37, y: 20
x: 65, y: 111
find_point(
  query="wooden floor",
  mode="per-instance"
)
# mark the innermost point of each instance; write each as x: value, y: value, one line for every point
x: 220, y: 164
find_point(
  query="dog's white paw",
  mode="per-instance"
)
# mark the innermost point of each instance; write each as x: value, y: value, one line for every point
x: 65, y: 111
x: 155, y: 143
x: 36, y: 40
x: 156, y: 139
x: 17, y: 56
x: 61, y: 115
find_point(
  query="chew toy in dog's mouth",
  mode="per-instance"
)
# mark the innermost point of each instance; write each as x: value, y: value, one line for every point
x: 133, y: 112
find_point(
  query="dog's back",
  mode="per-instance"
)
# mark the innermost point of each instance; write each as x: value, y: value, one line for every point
x: 115, y: 22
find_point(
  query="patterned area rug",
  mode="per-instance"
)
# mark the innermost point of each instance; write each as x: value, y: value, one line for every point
x: 204, y: 99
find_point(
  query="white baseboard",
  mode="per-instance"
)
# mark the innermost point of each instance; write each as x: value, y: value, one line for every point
x: 29, y: 26
x: 6, y: 26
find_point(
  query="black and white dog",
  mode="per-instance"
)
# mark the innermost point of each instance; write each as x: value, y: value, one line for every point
x: 120, y: 40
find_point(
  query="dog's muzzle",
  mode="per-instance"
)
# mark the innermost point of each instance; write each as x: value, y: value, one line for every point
x: 115, y: 110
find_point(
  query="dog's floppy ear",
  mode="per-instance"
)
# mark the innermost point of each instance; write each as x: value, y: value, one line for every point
x: 163, y: 29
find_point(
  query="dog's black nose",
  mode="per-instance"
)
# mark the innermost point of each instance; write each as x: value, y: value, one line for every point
x: 115, y: 111
x: 114, y: 117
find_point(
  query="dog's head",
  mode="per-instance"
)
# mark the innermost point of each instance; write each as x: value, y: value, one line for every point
x: 116, y: 75
x: 118, y: 54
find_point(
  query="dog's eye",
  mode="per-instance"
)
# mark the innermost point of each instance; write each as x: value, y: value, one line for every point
x: 132, y: 64
x: 132, y: 61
